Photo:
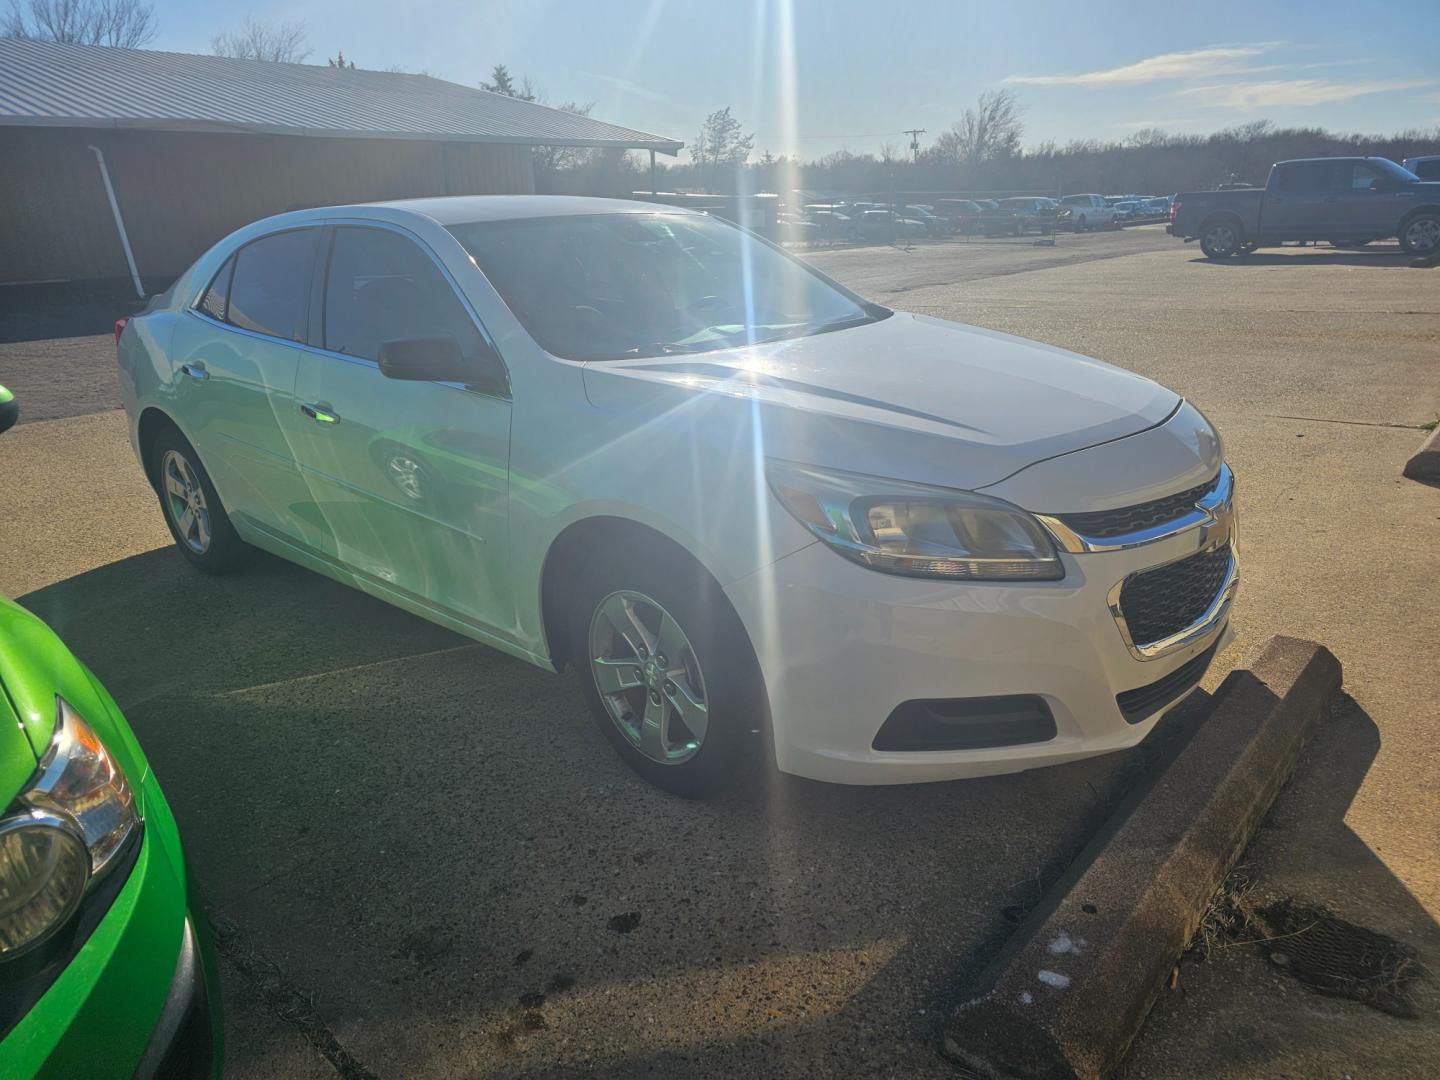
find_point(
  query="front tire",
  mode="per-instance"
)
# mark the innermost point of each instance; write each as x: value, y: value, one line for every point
x: 197, y: 519
x: 667, y: 670
x: 1221, y: 239
x: 1420, y: 234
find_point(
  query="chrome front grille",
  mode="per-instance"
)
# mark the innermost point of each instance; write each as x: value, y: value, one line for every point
x: 1104, y: 524
x: 1160, y: 603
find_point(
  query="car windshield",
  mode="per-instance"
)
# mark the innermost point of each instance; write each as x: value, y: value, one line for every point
x: 612, y: 286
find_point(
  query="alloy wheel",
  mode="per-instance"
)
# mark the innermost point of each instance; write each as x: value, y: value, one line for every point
x: 649, y: 677
x: 185, y: 501
x: 1423, y: 235
x: 1221, y: 240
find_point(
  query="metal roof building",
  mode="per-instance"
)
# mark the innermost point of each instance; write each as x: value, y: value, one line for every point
x: 105, y: 149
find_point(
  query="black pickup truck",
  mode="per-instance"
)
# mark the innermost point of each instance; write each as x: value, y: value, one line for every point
x: 1348, y: 201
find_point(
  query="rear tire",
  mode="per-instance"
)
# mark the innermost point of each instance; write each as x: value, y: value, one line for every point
x: 197, y: 519
x: 1220, y: 239
x: 683, y: 699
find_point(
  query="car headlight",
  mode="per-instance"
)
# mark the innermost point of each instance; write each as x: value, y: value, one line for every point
x: 71, y: 823
x: 915, y: 529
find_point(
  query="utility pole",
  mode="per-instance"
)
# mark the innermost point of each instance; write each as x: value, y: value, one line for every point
x: 915, y: 134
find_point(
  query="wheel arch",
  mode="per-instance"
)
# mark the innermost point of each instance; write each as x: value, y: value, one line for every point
x: 152, y: 422
x: 1414, y: 212
x: 1216, y: 216
x: 566, y: 559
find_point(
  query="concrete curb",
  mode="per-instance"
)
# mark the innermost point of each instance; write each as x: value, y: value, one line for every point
x: 1069, y: 991
x: 1424, y: 464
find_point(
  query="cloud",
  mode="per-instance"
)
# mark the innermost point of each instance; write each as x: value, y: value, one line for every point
x: 627, y: 86
x: 1290, y: 92
x: 1198, y: 63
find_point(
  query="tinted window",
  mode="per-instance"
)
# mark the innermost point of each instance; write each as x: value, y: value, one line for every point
x: 270, y: 291
x: 383, y: 287
x: 1427, y: 170
x: 1358, y: 178
x: 213, y: 302
x: 1305, y: 178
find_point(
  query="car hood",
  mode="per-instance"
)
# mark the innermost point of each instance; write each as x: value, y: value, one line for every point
x: 908, y: 395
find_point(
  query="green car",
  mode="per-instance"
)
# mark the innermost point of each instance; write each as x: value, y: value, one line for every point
x: 106, y: 968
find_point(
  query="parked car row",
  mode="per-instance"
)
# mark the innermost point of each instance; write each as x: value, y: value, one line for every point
x: 859, y: 221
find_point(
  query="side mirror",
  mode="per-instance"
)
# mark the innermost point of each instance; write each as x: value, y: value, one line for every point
x: 439, y: 359
x: 9, y: 410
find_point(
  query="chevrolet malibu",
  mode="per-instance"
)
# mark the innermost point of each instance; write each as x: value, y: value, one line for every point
x: 757, y: 514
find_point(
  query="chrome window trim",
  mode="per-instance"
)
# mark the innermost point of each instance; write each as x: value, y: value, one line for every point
x: 1207, y: 509
x: 1212, y: 621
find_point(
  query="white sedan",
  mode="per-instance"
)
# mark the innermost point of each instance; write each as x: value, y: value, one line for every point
x: 759, y: 516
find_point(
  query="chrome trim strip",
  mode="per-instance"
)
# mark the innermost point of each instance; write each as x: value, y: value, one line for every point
x: 1212, y: 621
x: 1204, y: 513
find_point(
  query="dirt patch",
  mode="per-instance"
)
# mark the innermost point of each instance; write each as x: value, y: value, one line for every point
x: 1330, y: 955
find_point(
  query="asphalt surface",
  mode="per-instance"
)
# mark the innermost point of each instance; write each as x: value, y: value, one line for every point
x: 426, y: 862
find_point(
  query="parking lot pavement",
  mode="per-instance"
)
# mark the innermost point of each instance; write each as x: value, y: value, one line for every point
x: 448, y: 873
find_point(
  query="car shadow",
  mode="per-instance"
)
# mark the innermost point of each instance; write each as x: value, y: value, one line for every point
x: 1313, y: 257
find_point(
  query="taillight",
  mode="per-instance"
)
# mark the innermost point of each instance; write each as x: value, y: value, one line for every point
x: 1174, y: 208
x: 120, y: 325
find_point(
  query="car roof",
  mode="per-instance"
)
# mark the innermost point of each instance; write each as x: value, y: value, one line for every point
x: 466, y: 209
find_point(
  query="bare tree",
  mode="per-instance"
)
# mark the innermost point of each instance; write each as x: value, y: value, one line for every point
x: 720, y: 146
x: 125, y: 24
x: 990, y: 131
x: 279, y: 43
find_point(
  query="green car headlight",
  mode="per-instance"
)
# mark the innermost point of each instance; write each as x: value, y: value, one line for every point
x: 43, y: 870
x: 914, y: 529
x: 72, y: 821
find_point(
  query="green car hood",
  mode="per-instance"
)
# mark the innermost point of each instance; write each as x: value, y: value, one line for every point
x: 35, y: 666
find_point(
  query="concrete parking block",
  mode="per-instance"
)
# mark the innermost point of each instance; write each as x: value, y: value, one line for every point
x: 1070, y: 990
x: 1424, y: 464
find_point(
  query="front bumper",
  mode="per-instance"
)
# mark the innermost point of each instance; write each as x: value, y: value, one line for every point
x: 841, y: 646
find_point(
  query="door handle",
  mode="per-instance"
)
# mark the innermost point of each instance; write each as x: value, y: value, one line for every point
x: 320, y: 413
x: 195, y: 371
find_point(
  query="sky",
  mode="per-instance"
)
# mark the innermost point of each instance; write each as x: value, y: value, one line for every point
x: 811, y: 77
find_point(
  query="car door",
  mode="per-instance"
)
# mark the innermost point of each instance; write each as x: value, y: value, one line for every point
x: 410, y: 477
x: 1301, y: 205
x: 1367, y: 203
x: 236, y: 355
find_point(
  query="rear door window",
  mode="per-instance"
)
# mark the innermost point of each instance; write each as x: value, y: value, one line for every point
x: 1305, y: 178
x: 270, y: 289
x: 383, y: 287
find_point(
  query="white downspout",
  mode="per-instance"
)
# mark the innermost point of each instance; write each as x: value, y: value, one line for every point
x: 119, y: 223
